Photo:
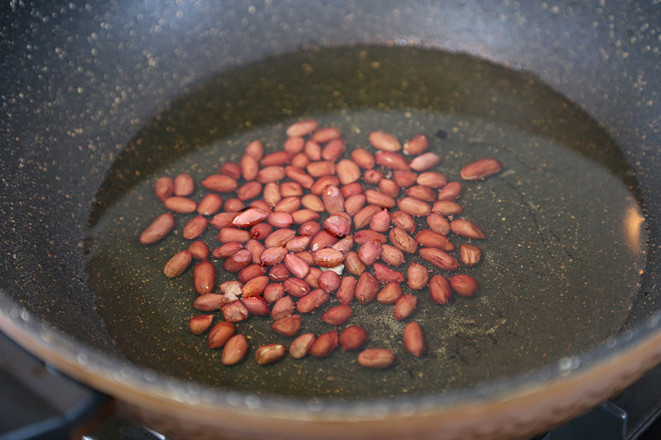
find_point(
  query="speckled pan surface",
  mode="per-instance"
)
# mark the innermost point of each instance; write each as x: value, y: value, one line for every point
x: 81, y: 79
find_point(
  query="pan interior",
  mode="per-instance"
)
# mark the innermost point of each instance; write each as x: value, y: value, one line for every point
x: 561, y: 264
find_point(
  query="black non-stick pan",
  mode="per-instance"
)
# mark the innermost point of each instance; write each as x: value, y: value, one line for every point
x: 100, y: 100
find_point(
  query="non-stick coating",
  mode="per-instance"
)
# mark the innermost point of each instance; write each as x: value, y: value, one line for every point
x: 79, y: 80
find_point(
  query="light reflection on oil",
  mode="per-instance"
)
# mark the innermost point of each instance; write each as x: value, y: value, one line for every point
x: 633, y: 222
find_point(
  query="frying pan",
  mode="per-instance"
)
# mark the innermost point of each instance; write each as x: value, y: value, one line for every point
x: 89, y: 90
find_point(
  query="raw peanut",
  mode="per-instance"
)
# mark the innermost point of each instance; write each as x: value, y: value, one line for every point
x: 353, y: 264
x: 347, y: 171
x: 389, y: 187
x: 363, y: 217
x: 288, y: 326
x: 439, y: 289
x: 278, y: 273
x: 386, y: 275
x: 280, y: 219
x: 199, y: 324
x: 234, y: 205
x: 278, y: 158
x: 164, y: 188
x: 157, y: 229
x: 333, y: 150
x: 402, y: 240
x: 447, y: 207
x: 413, y: 339
x: 309, y: 228
x: 333, y: 200
x: 450, y: 191
x: 204, y: 277
x: 352, y: 189
x: 384, y: 141
x: 227, y: 235
x: 380, y: 199
x: 231, y: 169
x: 466, y: 229
x: 391, y: 255
x: 344, y: 245
x: 403, y: 220
x: 381, y: 221
x: 425, y: 161
x: 481, y: 169
x: 345, y: 293
x: 320, y: 168
x: 354, y: 203
x: 251, y: 272
x: 249, y: 167
x: 422, y: 193
x: 414, y: 207
x: 273, y: 173
x: 329, y: 281
x: 376, y: 358
x: 323, y: 135
x: 304, y: 215
x: 220, y: 334
x: 300, y: 347
x: 299, y: 176
x: 323, y: 183
x: 404, y: 178
x: 231, y: 290
x: 279, y: 238
x: 227, y: 249
x: 362, y: 237
x: 373, y: 177
x: 429, y: 238
x: 268, y: 354
x: 322, y: 239
x: 392, y: 160
x: 294, y: 145
x: 195, y: 227
x: 260, y: 204
x: 310, y: 201
x: 282, y: 308
x: 432, y: 179
x: 298, y: 244
x: 352, y: 338
x: 249, y: 190
x: 234, y: 350
x: 234, y: 312
x: 438, y: 223
x: 256, y: 305
x: 417, y: 145
x: 273, y: 292
x: 302, y: 128
x: 271, y: 194
x: 313, y: 277
x: 312, y: 301
x: 470, y: 254
x: 390, y: 293
x: 209, y: 302
x: 463, y: 285
x: 312, y: 150
x: 296, y: 287
x: 324, y: 345
x: 249, y: 217
x: 299, y: 160
x: 305, y: 256
x: 404, y: 306
x: 327, y: 257
x: 370, y: 252
x: 337, y: 315
x: 210, y: 204
x: 220, y: 183
x: 180, y: 205
x: 296, y: 266
x: 222, y: 219
x: 337, y: 226
x: 363, y: 158
x: 183, y: 185
x: 255, y: 286
x: 439, y: 258
x: 237, y: 261
x: 366, y: 288
x: 255, y: 149
x: 417, y: 275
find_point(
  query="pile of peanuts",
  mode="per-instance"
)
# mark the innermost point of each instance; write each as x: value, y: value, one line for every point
x: 308, y: 226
